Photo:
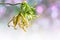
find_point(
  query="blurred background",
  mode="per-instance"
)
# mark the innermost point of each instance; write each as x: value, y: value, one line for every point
x: 46, y: 27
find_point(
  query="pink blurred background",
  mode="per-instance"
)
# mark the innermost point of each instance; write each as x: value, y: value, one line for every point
x: 46, y: 27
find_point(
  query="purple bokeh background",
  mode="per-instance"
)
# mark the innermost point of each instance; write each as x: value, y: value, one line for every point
x: 46, y: 27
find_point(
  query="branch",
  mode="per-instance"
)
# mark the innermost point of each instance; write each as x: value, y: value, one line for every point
x: 10, y: 3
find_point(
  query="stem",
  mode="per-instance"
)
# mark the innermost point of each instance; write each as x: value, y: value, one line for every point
x: 10, y: 3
